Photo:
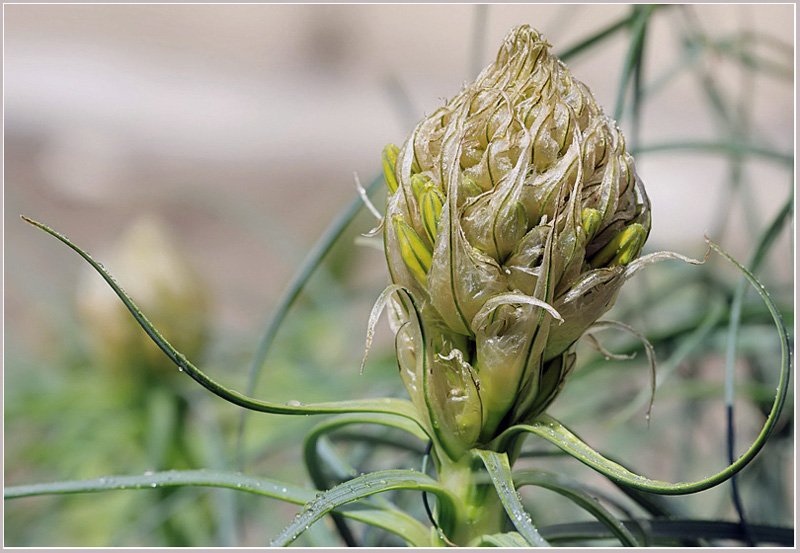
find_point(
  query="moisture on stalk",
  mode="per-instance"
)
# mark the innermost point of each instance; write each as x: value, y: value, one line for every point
x: 512, y: 214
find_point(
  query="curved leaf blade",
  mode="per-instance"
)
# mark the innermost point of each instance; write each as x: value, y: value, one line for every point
x: 500, y: 472
x: 393, y: 521
x: 564, y: 487
x: 675, y: 530
x: 557, y: 434
x: 509, y: 539
x: 382, y: 405
x: 358, y: 488
x: 314, y: 460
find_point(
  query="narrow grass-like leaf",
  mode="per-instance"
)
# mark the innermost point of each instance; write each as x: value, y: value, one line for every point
x: 509, y: 539
x: 561, y: 437
x: 574, y: 493
x: 688, y: 344
x: 312, y: 438
x: 292, y: 291
x: 640, y: 17
x: 358, y: 488
x: 500, y: 472
x: 301, y: 277
x: 399, y: 407
x: 398, y: 523
x: 601, y: 35
x: 648, y: 348
x: 731, y: 347
x: 177, y: 478
x: 722, y: 147
x: 670, y: 531
x: 314, y: 462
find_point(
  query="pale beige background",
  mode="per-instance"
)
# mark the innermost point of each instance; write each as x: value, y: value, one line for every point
x: 200, y: 112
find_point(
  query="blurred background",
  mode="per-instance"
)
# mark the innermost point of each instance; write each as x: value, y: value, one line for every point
x: 219, y: 142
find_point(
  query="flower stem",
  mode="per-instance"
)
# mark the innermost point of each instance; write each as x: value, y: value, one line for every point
x: 479, y: 509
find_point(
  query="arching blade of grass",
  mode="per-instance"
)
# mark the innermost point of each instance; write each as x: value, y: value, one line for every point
x: 399, y: 407
x: 361, y: 487
x: 314, y: 461
x: 639, y: 18
x: 601, y: 35
x: 312, y: 438
x: 500, y: 473
x: 554, y: 432
x: 509, y: 539
x: 671, y: 531
x: 759, y: 255
x: 290, y: 294
x: 722, y: 148
x: 574, y: 493
x: 394, y: 521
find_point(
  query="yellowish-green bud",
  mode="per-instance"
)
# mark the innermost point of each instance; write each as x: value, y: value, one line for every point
x: 590, y: 221
x: 389, y: 159
x: 416, y: 254
x: 418, y: 185
x: 431, y: 202
x: 622, y: 249
x: 166, y: 286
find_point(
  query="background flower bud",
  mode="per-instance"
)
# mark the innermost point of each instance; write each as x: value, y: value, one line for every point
x: 166, y: 288
x: 524, y: 194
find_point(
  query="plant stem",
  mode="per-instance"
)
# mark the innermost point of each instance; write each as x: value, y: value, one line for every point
x: 479, y: 509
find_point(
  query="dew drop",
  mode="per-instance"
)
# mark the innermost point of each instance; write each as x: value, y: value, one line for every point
x: 284, y: 490
x: 294, y: 403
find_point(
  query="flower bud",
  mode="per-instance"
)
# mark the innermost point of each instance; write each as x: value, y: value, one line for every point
x: 516, y: 209
x: 165, y: 286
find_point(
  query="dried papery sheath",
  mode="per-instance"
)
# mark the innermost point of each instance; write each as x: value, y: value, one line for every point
x: 511, y: 216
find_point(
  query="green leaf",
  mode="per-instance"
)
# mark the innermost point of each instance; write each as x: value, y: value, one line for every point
x: 292, y: 291
x: 314, y: 461
x: 725, y: 148
x: 383, y: 405
x: 509, y: 539
x: 500, y: 473
x: 301, y: 277
x: 574, y: 493
x: 361, y: 487
x: 670, y: 531
x: 174, y: 478
x: 601, y: 35
x: 312, y: 438
x: 640, y: 16
x: 396, y: 522
x: 557, y: 434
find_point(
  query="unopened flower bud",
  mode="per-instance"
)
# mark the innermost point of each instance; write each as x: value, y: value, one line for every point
x: 415, y: 254
x: 516, y: 209
x: 389, y: 162
x: 166, y: 286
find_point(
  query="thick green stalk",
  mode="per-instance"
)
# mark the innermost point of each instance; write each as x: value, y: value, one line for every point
x: 478, y: 510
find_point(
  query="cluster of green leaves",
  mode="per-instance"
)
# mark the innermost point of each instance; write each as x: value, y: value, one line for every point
x: 364, y: 463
